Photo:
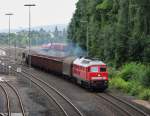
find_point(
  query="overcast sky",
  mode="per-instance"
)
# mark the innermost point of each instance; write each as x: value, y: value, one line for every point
x: 47, y: 12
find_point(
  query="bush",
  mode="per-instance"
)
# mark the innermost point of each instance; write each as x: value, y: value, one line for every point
x: 132, y: 78
x: 145, y: 94
x: 135, y: 88
x: 132, y: 71
x: 112, y: 72
x: 119, y: 83
x: 146, y: 78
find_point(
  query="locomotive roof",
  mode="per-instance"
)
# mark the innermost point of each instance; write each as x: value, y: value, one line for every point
x: 87, y: 62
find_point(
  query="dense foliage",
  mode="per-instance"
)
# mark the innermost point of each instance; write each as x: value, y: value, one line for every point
x: 119, y: 30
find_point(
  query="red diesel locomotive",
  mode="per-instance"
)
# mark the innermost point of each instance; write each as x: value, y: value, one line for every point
x: 87, y: 72
x: 92, y: 73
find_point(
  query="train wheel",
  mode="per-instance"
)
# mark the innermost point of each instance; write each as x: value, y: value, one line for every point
x: 79, y: 82
x: 91, y: 88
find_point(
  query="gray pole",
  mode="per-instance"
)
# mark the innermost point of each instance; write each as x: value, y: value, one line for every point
x: 9, y: 37
x: 15, y: 49
x: 9, y: 46
x: 9, y: 14
x: 29, y: 34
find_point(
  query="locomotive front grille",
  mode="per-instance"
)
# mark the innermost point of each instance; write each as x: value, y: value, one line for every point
x: 99, y: 83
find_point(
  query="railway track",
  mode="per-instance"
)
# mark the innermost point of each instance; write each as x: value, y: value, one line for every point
x: 42, y: 88
x: 5, y: 85
x: 7, y: 100
x: 125, y: 107
x: 64, y: 103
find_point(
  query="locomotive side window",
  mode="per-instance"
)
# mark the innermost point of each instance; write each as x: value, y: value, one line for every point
x: 102, y: 69
x: 94, y: 69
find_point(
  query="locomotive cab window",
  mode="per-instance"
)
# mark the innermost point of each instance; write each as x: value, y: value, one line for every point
x: 94, y: 69
x: 102, y: 69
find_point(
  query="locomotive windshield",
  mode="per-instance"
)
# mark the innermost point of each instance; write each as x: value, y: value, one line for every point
x: 94, y: 69
x: 102, y: 69
x: 97, y: 69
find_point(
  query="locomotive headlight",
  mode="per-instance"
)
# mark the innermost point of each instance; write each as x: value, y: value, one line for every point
x: 99, y: 75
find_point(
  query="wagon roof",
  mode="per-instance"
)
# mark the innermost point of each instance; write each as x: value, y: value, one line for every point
x: 49, y: 57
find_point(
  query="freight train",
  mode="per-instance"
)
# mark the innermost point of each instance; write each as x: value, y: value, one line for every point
x: 85, y: 71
